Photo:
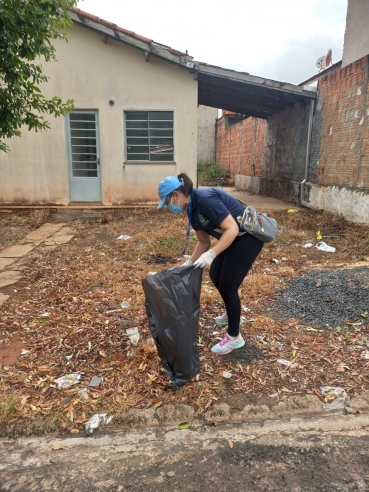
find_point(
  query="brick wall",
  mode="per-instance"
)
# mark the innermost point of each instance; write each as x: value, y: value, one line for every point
x: 271, y: 155
x: 239, y: 147
x: 268, y: 157
x: 340, y: 141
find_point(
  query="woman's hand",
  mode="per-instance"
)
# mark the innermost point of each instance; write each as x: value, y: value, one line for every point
x: 205, y: 259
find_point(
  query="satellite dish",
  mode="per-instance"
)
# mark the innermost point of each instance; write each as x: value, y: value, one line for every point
x: 321, y: 62
x: 328, y: 59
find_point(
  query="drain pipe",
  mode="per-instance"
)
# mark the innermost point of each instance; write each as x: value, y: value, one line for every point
x: 307, y: 162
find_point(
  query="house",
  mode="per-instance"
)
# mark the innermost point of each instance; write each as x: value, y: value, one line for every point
x: 136, y: 118
x: 135, y: 121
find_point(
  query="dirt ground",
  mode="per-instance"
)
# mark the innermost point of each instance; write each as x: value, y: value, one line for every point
x: 83, y: 283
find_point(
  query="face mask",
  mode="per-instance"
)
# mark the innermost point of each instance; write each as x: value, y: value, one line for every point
x: 176, y: 209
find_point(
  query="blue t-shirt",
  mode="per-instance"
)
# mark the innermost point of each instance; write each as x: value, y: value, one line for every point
x: 210, y: 206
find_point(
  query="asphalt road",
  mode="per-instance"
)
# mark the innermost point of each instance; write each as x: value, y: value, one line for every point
x: 329, y: 453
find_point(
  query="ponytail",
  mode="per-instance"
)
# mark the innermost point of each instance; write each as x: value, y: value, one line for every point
x: 187, y: 185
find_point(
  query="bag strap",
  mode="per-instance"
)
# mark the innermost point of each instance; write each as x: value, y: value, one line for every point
x: 221, y: 232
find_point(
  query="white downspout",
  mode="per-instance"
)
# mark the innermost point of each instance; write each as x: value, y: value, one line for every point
x: 307, y: 161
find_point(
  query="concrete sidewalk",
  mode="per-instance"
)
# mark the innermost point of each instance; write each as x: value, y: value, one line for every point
x: 261, y: 202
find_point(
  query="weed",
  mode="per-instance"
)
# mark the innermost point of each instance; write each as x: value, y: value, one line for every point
x: 170, y: 244
x: 8, y: 407
x: 210, y: 173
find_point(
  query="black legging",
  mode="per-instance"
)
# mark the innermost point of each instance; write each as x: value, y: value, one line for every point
x: 228, y: 271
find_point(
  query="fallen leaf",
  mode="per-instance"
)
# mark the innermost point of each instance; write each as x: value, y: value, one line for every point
x: 57, y: 448
x: 157, y: 405
x: 286, y: 390
x: 230, y: 443
x: 184, y: 425
x: 352, y: 411
x: 74, y: 431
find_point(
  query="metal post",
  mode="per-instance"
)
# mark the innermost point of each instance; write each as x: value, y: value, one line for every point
x: 308, y: 151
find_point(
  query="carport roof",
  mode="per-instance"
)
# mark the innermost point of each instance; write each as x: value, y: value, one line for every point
x: 218, y: 87
x: 247, y: 94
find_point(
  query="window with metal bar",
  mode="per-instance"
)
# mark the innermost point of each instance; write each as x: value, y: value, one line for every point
x: 149, y: 136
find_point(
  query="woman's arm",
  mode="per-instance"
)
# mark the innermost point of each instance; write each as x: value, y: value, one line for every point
x: 230, y: 232
x: 202, y: 245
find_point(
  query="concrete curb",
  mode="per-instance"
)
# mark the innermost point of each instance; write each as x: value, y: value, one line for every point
x: 220, y: 413
x: 286, y: 407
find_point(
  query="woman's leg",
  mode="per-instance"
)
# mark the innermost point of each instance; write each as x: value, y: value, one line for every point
x: 228, y: 273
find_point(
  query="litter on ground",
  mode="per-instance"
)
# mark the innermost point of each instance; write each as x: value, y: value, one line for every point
x: 95, y: 421
x: 322, y: 246
x: 323, y: 329
x: 68, y: 380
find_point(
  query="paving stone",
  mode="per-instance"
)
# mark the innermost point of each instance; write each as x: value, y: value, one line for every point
x: 4, y: 282
x: 9, y: 278
x: 3, y: 298
x: 64, y: 231
x: 42, y: 232
x: 16, y: 251
x: 5, y: 262
x: 61, y: 239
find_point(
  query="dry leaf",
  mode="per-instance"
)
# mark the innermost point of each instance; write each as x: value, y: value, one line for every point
x: 230, y: 443
x: 57, y: 448
x: 157, y: 405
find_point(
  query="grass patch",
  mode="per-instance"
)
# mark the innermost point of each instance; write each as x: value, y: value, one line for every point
x: 209, y: 173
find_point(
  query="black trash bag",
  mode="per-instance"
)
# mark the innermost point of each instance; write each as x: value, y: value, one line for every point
x: 173, y: 307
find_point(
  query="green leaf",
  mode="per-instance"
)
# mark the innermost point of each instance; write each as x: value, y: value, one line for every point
x: 184, y: 425
x: 26, y: 32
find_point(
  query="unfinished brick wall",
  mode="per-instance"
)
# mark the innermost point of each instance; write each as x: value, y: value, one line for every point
x: 340, y: 140
x: 240, y: 147
x: 269, y: 157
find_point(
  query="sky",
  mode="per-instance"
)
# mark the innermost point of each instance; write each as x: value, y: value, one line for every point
x: 276, y: 39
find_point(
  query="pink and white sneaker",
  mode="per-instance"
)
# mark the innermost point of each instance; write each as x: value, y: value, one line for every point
x: 228, y: 344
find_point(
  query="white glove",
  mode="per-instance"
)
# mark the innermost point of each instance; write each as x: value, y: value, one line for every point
x: 205, y: 259
x: 187, y: 263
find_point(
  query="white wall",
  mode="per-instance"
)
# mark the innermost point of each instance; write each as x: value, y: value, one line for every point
x: 352, y: 205
x: 356, y: 43
x: 92, y: 73
x: 206, y: 118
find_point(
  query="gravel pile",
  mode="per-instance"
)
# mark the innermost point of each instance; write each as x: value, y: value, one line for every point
x: 326, y: 298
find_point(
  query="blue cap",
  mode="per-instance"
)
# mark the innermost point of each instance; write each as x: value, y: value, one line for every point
x: 166, y: 187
